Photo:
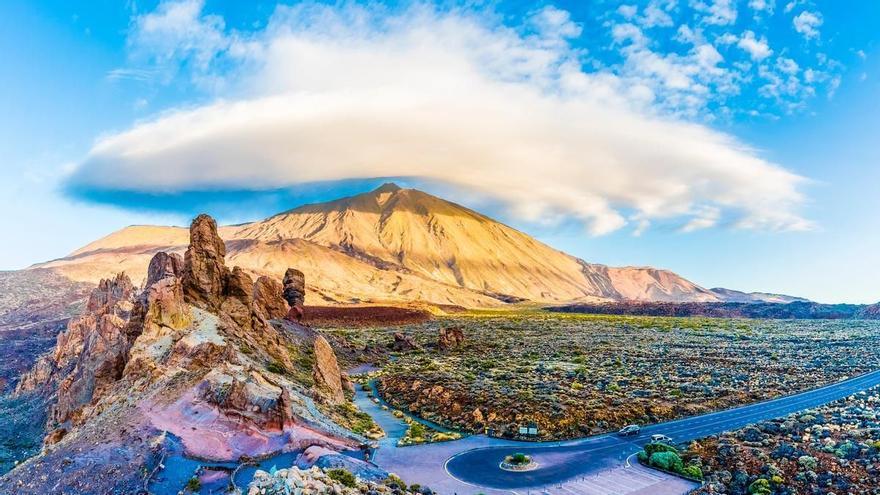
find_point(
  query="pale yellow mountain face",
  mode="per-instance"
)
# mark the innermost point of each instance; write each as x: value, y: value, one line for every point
x: 394, y: 245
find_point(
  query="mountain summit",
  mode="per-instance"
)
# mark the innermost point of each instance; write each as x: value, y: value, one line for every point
x: 395, y: 245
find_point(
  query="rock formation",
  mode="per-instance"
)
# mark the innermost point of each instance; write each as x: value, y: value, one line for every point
x: 295, y: 293
x: 109, y: 292
x: 328, y: 378
x: 200, y: 345
x: 403, y: 342
x: 204, y: 266
x: 268, y: 301
x: 238, y: 298
x: 89, y: 354
x: 160, y: 312
x: 450, y: 338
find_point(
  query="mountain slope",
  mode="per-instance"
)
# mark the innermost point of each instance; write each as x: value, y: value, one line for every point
x: 393, y: 245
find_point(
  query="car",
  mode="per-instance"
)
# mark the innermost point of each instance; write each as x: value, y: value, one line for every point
x: 629, y: 430
x: 658, y: 438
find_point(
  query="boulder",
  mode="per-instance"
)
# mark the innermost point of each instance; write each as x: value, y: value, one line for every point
x: 204, y: 266
x: 328, y: 378
x: 403, y: 342
x: 450, y: 338
x: 54, y: 436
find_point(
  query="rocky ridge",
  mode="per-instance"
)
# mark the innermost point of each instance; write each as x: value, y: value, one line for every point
x: 202, y: 352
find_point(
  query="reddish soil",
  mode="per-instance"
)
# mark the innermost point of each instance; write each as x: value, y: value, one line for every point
x: 363, y: 316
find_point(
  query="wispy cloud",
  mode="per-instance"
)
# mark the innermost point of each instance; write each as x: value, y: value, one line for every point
x: 128, y: 73
x: 328, y: 93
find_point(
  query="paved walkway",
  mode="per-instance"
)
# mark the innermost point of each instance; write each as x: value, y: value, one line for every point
x: 632, y: 480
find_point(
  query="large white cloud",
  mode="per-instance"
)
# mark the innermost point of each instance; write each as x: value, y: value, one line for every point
x: 325, y: 93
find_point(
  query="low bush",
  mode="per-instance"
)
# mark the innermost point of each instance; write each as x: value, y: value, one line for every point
x: 194, y: 485
x: 653, y: 448
x: 669, y: 461
x: 693, y: 472
x: 342, y: 476
x: 760, y: 486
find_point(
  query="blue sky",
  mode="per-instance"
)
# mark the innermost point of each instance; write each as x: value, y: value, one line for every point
x: 728, y: 141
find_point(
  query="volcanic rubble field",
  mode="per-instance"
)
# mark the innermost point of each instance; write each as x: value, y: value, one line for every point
x: 831, y: 449
x: 576, y: 375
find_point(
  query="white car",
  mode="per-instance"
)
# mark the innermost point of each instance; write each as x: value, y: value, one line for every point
x: 629, y: 430
x: 658, y: 438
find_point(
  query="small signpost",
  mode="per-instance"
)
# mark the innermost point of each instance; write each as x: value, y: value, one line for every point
x: 530, y: 430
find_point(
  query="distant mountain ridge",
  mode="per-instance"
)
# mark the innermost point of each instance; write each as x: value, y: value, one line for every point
x: 730, y: 295
x: 400, y: 245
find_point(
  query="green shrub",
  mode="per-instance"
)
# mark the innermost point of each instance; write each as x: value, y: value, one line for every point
x: 808, y: 462
x: 194, y: 484
x: 693, y: 472
x: 643, y: 456
x: 760, y: 486
x: 343, y: 477
x: 519, y: 458
x: 394, y: 480
x: 653, y: 448
x: 276, y: 367
x: 417, y: 430
x: 670, y: 461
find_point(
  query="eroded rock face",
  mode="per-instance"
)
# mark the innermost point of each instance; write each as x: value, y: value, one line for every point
x: 247, y: 395
x: 164, y: 265
x: 328, y: 378
x: 450, y: 338
x: 295, y: 293
x: 204, y: 265
x: 160, y: 314
x: 89, y: 355
x: 109, y: 292
x: 268, y: 301
x: 238, y: 298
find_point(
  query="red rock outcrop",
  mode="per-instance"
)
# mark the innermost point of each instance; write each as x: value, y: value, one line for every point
x: 164, y: 265
x: 160, y: 312
x: 204, y: 266
x: 238, y: 298
x: 89, y: 355
x: 268, y: 301
x: 328, y: 378
x: 109, y: 292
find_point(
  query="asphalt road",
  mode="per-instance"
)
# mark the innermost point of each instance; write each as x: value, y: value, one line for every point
x: 559, y: 462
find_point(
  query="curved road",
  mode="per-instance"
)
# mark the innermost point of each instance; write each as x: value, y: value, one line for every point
x: 560, y: 461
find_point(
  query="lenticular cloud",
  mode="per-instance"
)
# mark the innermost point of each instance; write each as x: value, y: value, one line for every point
x: 327, y: 93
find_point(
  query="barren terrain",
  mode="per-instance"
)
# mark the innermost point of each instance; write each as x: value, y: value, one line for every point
x: 575, y: 375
